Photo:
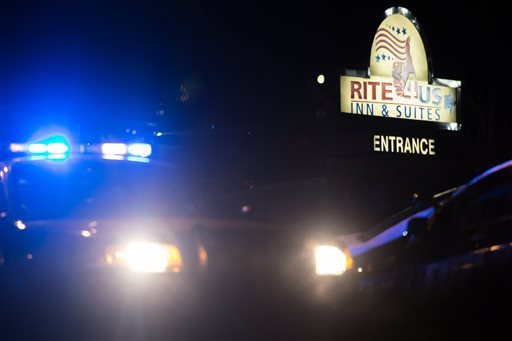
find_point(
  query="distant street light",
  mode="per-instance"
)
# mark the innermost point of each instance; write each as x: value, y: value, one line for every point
x: 320, y: 79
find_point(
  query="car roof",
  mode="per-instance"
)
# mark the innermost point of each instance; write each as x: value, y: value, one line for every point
x: 483, y: 175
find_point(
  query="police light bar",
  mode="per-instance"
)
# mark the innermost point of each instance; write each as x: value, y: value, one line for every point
x: 58, y: 147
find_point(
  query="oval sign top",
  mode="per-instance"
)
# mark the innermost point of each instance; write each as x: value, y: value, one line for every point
x: 398, y: 50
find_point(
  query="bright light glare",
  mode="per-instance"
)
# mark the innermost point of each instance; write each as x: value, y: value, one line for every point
x: 320, y: 79
x: 140, y: 149
x: 20, y: 225
x: 57, y: 156
x: 137, y: 159
x: 147, y: 257
x: 330, y: 261
x: 43, y: 148
x: 38, y: 157
x: 17, y: 147
x: 57, y: 148
x: 85, y: 234
x: 453, y: 126
x: 112, y: 157
x: 114, y: 148
x: 37, y: 148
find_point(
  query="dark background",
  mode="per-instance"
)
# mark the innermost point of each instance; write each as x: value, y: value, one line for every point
x: 235, y: 84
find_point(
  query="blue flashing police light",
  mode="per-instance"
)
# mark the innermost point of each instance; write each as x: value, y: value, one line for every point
x: 57, y: 148
x: 51, y: 146
x: 37, y: 148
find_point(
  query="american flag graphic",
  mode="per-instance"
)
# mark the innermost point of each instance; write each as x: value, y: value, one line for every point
x: 386, y: 40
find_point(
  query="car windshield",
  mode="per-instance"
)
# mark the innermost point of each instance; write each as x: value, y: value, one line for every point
x: 79, y: 188
x: 405, y: 213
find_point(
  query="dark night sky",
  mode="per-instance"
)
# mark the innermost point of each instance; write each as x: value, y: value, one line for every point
x: 245, y: 65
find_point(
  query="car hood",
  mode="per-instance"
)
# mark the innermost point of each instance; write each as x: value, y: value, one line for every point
x: 241, y: 249
x: 160, y: 229
x: 357, y: 246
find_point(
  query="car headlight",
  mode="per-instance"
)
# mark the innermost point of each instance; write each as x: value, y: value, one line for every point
x: 145, y: 257
x: 331, y: 260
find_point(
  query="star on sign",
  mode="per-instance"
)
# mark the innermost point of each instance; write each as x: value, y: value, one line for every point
x: 404, y: 31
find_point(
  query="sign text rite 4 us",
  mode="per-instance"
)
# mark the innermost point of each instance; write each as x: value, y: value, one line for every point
x: 379, y: 98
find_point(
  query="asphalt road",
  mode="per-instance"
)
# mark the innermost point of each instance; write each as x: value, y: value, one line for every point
x: 95, y: 309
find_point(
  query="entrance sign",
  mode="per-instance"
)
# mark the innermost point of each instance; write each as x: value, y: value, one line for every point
x: 399, y: 83
x: 406, y: 145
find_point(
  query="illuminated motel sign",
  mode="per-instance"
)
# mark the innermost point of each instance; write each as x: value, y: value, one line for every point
x: 400, y: 85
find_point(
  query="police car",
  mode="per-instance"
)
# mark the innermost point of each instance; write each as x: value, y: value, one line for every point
x: 99, y: 224
x: 461, y: 241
